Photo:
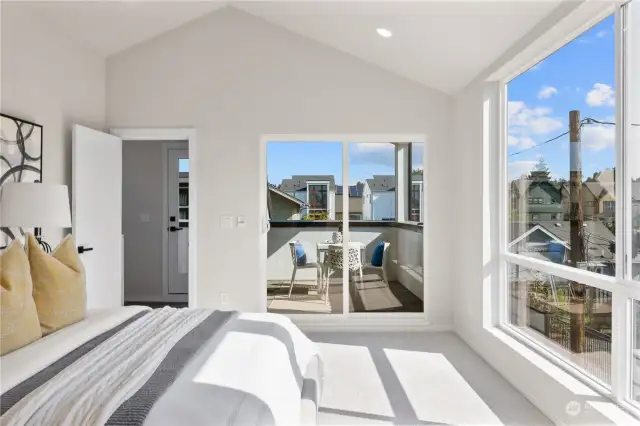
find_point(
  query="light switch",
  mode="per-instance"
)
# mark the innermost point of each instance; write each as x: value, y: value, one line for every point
x: 241, y: 222
x: 145, y: 217
x: 226, y: 222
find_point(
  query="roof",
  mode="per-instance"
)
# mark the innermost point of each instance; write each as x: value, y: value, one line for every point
x: 598, y: 236
x: 521, y: 186
x: 285, y: 195
x: 382, y: 183
x: 354, y: 190
x: 299, y: 182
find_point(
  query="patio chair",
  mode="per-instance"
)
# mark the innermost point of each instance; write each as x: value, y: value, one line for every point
x: 383, y: 268
x: 297, y: 265
x: 334, y: 263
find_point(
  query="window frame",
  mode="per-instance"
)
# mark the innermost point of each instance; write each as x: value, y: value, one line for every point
x: 327, y: 186
x: 622, y: 287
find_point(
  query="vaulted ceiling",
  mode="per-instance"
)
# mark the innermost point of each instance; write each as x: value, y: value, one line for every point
x: 442, y: 44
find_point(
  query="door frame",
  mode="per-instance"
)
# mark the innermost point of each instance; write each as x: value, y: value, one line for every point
x: 346, y: 320
x: 170, y: 135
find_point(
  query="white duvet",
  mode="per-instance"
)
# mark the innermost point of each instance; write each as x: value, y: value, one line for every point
x: 90, y: 390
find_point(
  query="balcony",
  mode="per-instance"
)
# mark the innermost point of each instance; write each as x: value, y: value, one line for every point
x: 403, y: 292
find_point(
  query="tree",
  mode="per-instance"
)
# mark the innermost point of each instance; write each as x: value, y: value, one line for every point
x: 416, y: 172
x: 540, y: 172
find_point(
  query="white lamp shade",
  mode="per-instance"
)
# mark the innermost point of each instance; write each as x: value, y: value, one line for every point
x: 34, y: 205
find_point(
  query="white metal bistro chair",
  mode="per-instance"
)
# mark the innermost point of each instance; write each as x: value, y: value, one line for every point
x: 296, y: 266
x: 335, y: 263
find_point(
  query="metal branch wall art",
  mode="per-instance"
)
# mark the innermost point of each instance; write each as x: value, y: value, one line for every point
x: 20, y: 158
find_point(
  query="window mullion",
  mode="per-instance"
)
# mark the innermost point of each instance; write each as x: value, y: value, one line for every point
x: 622, y: 324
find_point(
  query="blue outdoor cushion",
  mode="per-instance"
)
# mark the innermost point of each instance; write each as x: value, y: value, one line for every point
x: 378, y: 252
x: 301, y: 256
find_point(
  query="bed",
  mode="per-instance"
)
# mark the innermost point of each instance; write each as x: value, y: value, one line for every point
x: 134, y: 366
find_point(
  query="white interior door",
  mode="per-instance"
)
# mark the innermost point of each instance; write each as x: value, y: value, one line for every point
x: 97, y: 213
x: 178, y: 223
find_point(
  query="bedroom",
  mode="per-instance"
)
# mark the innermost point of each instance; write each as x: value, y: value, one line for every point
x: 242, y: 75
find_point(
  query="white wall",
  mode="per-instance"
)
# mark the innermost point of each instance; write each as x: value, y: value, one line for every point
x: 236, y: 77
x: 408, y: 262
x: 47, y: 80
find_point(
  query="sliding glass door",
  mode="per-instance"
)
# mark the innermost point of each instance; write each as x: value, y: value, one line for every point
x: 346, y: 227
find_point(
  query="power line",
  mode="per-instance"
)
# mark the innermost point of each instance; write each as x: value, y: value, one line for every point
x: 547, y: 141
x: 608, y: 123
x: 584, y: 121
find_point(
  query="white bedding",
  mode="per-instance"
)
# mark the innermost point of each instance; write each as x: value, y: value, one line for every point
x: 248, y: 359
x: 19, y: 365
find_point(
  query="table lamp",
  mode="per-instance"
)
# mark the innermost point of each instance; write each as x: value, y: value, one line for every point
x: 35, y: 205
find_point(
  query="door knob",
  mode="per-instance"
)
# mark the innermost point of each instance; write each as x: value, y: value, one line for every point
x: 82, y: 249
x: 174, y: 229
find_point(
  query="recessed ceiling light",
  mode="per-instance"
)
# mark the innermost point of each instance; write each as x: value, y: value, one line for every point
x: 384, y: 32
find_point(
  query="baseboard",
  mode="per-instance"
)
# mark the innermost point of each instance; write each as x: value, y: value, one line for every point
x: 382, y: 322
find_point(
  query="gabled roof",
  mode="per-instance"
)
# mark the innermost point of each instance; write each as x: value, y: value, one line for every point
x: 597, y: 235
x: 299, y: 182
x: 383, y: 183
x: 284, y: 195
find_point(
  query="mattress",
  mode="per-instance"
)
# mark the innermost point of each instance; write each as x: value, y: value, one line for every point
x: 135, y: 366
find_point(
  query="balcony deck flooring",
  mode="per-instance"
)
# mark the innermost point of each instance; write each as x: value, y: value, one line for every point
x: 369, y: 295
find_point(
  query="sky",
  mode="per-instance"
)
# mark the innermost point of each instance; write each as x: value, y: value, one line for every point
x: 285, y: 159
x: 578, y: 76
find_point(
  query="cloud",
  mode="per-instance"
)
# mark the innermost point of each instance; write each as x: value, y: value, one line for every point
x: 598, y: 137
x: 519, y: 168
x: 372, y: 153
x: 531, y: 121
x: 526, y: 122
x: 546, y: 92
x: 601, y: 34
x: 601, y: 95
x: 523, y: 142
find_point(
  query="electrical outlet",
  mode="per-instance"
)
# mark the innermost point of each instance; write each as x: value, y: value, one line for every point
x: 224, y: 298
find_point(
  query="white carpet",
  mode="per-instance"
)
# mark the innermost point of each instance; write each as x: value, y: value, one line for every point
x: 414, y: 379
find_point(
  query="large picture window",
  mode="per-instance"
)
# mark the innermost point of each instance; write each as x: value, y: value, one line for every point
x: 571, y: 208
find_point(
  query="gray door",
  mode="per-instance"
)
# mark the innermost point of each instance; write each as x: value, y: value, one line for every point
x: 178, y: 223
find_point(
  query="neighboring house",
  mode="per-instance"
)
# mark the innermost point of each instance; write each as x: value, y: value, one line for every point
x: 283, y: 206
x: 598, y: 197
x: 379, y: 198
x: 355, y: 201
x: 317, y: 192
x: 538, y: 200
x: 532, y: 239
x: 534, y: 201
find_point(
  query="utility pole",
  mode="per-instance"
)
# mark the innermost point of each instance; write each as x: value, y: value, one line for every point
x: 576, y: 305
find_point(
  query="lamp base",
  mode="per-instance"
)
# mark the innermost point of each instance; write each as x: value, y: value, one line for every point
x: 37, y: 232
x: 45, y: 245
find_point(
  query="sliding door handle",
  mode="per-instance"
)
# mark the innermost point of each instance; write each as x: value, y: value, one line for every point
x: 82, y: 249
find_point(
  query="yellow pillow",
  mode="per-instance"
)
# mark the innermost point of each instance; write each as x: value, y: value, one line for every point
x: 19, y: 323
x: 58, y: 284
